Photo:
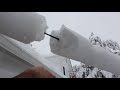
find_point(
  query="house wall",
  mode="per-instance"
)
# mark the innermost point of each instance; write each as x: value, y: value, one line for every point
x: 26, y: 24
x: 22, y: 57
x: 11, y: 65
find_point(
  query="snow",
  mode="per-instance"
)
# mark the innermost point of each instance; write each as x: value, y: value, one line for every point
x: 74, y: 46
x: 74, y: 62
x: 23, y: 26
x: 71, y: 45
x: 82, y: 71
x: 26, y: 53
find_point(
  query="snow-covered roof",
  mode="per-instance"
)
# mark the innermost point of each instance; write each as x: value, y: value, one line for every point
x: 28, y: 54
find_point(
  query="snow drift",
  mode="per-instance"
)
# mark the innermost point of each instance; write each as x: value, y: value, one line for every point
x: 74, y: 46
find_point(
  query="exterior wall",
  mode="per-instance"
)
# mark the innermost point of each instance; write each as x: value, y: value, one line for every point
x: 22, y: 56
x: 11, y: 65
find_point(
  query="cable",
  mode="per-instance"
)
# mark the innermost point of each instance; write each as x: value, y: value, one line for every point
x: 52, y: 36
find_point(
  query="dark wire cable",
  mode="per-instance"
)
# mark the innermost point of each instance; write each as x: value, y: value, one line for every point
x: 52, y: 36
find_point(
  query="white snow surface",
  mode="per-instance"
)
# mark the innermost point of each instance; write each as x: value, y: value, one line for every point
x: 74, y: 46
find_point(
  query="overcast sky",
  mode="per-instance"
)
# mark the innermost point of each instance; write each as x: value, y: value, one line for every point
x: 104, y: 24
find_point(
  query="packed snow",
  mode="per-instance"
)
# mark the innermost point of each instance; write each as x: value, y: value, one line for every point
x: 81, y: 70
x: 74, y: 46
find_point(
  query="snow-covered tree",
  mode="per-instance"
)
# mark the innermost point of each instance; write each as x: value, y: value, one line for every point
x: 83, y: 71
x: 110, y: 45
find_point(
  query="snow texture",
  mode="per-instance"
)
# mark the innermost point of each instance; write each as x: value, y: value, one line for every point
x: 23, y: 26
x: 81, y: 70
x: 76, y: 47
